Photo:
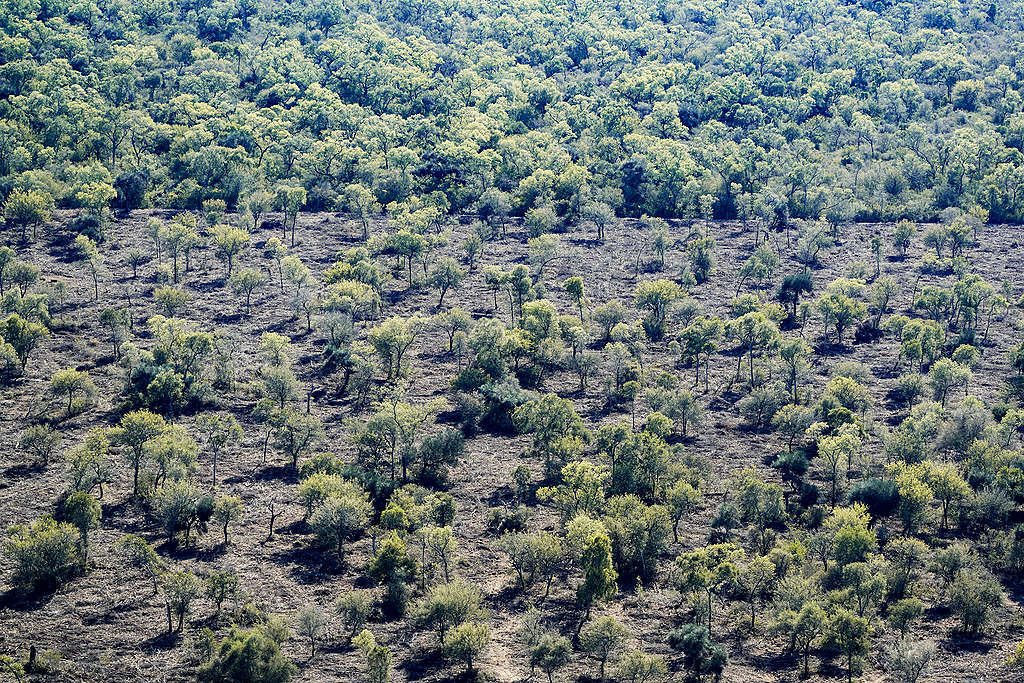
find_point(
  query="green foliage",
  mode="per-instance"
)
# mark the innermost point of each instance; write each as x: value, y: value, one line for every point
x: 250, y: 654
x: 44, y: 554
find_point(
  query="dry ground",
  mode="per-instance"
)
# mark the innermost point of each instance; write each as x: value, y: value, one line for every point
x: 107, y: 625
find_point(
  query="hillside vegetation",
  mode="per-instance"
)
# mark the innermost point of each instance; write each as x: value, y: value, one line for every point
x: 586, y: 341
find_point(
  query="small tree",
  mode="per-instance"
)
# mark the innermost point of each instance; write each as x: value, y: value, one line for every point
x: 230, y: 242
x: 353, y: 608
x: 27, y: 207
x: 219, y: 430
x: 84, y: 512
x: 253, y: 655
x: 180, y: 590
x: 466, y: 642
x: 134, y: 431
x: 598, y: 575
x: 550, y: 654
x: 312, y: 624
x: 39, y: 441
x: 602, y: 639
x: 170, y: 299
x: 972, y: 595
x: 245, y: 282
x: 140, y: 556
x: 220, y: 585
x: 445, y: 275
x: 340, y: 517
x: 90, y: 254
x: 574, y: 288
x: 376, y: 656
x: 851, y: 635
x: 226, y: 510
x: 44, y: 554
x: 298, y: 434
x: 447, y: 606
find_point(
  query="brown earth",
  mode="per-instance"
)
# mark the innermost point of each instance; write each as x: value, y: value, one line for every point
x: 107, y: 625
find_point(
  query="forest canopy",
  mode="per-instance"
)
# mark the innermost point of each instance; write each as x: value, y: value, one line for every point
x: 867, y: 110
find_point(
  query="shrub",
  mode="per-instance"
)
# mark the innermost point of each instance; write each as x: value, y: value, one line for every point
x: 700, y: 655
x: 249, y: 655
x: 44, y: 554
x: 972, y: 595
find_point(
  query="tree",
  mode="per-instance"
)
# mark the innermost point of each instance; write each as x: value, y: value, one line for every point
x: 851, y: 635
x: 702, y: 258
x: 902, y: 233
x: 700, y: 656
x: 297, y: 434
x: 972, y: 595
x: 290, y: 200
x: 362, y: 204
x: 710, y: 571
x: 574, y: 288
x: 354, y: 609
x: 245, y: 282
x: 88, y: 251
x: 219, y: 430
x: 550, y: 654
x: 698, y: 341
x: 793, y: 287
x: 447, y: 606
x: 598, y: 575
x: 466, y: 642
x: 558, y: 431
x: 756, y: 581
x: 39, y: 441
x: 280, y: 383
x: 253, y: 655
x: 640, y: 667
x: 180, y: 590
x: 83, y: 511
x: 840, y: 311
x: 220, y: 585
x: 230, y: 242
x: 118, y: 323
x: 27, y: 207
x: 656, y: 297
x: 394, y: 568
x: 22, y: 335
x: 226, y: 510
x: 171, y: 299
x: 445, y: 275
x: 312, y: 624
x: 69, y: 382
x: 947, y: 374
x: 340, y: 517
x: 377, y: 657
x: 134, y: 431
x: 602, y: 639
x: 392, y: 339
x: 139, y: 555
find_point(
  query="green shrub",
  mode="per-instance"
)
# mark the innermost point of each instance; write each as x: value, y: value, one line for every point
x: 45, y: 554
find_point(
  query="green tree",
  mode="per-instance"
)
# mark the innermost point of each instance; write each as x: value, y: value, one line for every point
x: 851, y: 635
x: 602, y: 639
x: 88, y: 251
x: 133, y: 432
x: 83, y: 511
x: 229, y: 242
x: 71, y: 383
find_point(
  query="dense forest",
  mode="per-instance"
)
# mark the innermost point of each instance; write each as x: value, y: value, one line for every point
x: 583, y: 341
